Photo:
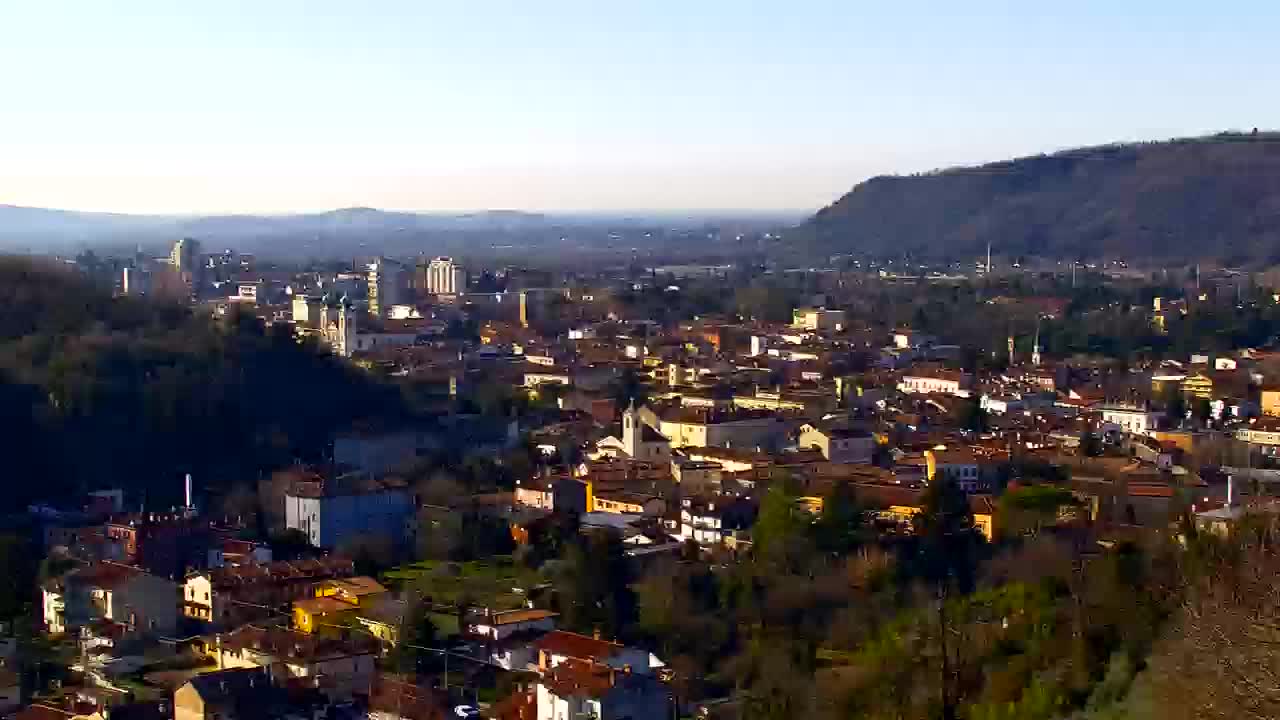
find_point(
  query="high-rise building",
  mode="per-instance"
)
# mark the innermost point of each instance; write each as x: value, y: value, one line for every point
x: 445, y: 277
x: 135, y: 281
x: 185, y: 259
x: 386, y: 282
x: 185, y: 255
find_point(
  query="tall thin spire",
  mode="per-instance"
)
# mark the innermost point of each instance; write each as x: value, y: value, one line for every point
x: 988, y: 257
x: 1035, y: 349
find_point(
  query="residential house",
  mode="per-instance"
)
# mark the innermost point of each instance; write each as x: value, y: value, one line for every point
x: 819, y: 319
x: 339, y: 665
x: 165, y: 544
x: 243, y: 694
x: 560, y: 646
x: 1262, y: 436
x: 492, y: 626
x: 897, y: 505
x: 333, y: 512
x: 697, y: 477
x: 382, y: 617
x: 398, y: 698
x: 135, y: 604
x: 232, y: 596
x: 959, y: 465
x: 336, y: 603
x: 1270, y: 400
x: 838, y: 444
x: 622, y: 502
x: 711, y: 520
x: 577, y: 689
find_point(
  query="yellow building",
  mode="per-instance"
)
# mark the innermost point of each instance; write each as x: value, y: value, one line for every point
x: 1199, y: 385
x: 1270, y: 401
x: 382, y: 618
x: 336, y: 604
x: 811, y: 504
x: 322, y: 615
x: 356, y: 590
x: 983, y: 515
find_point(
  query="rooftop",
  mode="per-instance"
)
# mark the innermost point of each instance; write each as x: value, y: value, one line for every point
x: 282, y: 572
x: 573, y: 645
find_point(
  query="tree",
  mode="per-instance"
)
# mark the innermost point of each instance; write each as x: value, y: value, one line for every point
x: 841, y: 526
x: 19, y: 568
x: 371, y: 552
x: 417, y: 634
x: 948, y: 556
x: 240, y: 505
x: 440, y: 533
x: 948, y: 540
x: 1218, y: 657
x: 1090, y: 445
x: 1029, y: 509
x: 289, y: 544
x: 593, y: 586
x: 629, y: 389
x: 441, y: 488
x: 778, y: 526
x: 1202, y: 410
x: 1175, y: 403
x: 972, y: 416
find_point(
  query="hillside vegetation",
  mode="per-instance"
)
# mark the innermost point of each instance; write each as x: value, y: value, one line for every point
x: 100, y: 392
x: 1213, y: 197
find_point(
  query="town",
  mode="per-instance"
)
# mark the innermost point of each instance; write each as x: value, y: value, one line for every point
x: 640, y: 492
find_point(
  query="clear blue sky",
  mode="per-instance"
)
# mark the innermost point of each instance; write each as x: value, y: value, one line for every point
x: 282, y: 105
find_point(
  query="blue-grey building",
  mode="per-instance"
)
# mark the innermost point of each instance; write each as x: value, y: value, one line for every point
x: 331, y: 512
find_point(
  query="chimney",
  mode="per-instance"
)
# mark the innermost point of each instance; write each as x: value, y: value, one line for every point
x: 188, y: 493
x: 595, y: 633
x: 1231, y: 490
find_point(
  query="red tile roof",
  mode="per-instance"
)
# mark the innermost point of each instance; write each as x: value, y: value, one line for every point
x: 579, y: 678
x: 573, y: 645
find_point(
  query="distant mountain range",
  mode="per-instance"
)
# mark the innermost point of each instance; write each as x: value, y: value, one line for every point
x: 25, y: 226
x: 1210, y: 197
x: 352, y: 231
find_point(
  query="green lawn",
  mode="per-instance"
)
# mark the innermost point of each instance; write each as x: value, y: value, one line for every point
x: 494, y: 582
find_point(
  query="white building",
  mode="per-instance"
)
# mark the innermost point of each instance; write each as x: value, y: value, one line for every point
x: 709, y: 521
x: 498, y: 626
x: 445, y: 277
x: 947, y: 382
x: 819, y: 319
x: 1137, y: 421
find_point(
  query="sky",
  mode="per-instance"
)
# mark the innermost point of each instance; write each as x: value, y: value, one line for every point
x: 292, y: 105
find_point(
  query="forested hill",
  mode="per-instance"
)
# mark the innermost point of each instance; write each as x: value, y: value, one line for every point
x: 1211, y: 197
x: 98, y: 392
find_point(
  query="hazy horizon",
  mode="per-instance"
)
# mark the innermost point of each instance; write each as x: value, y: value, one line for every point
x: 571, y: 107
